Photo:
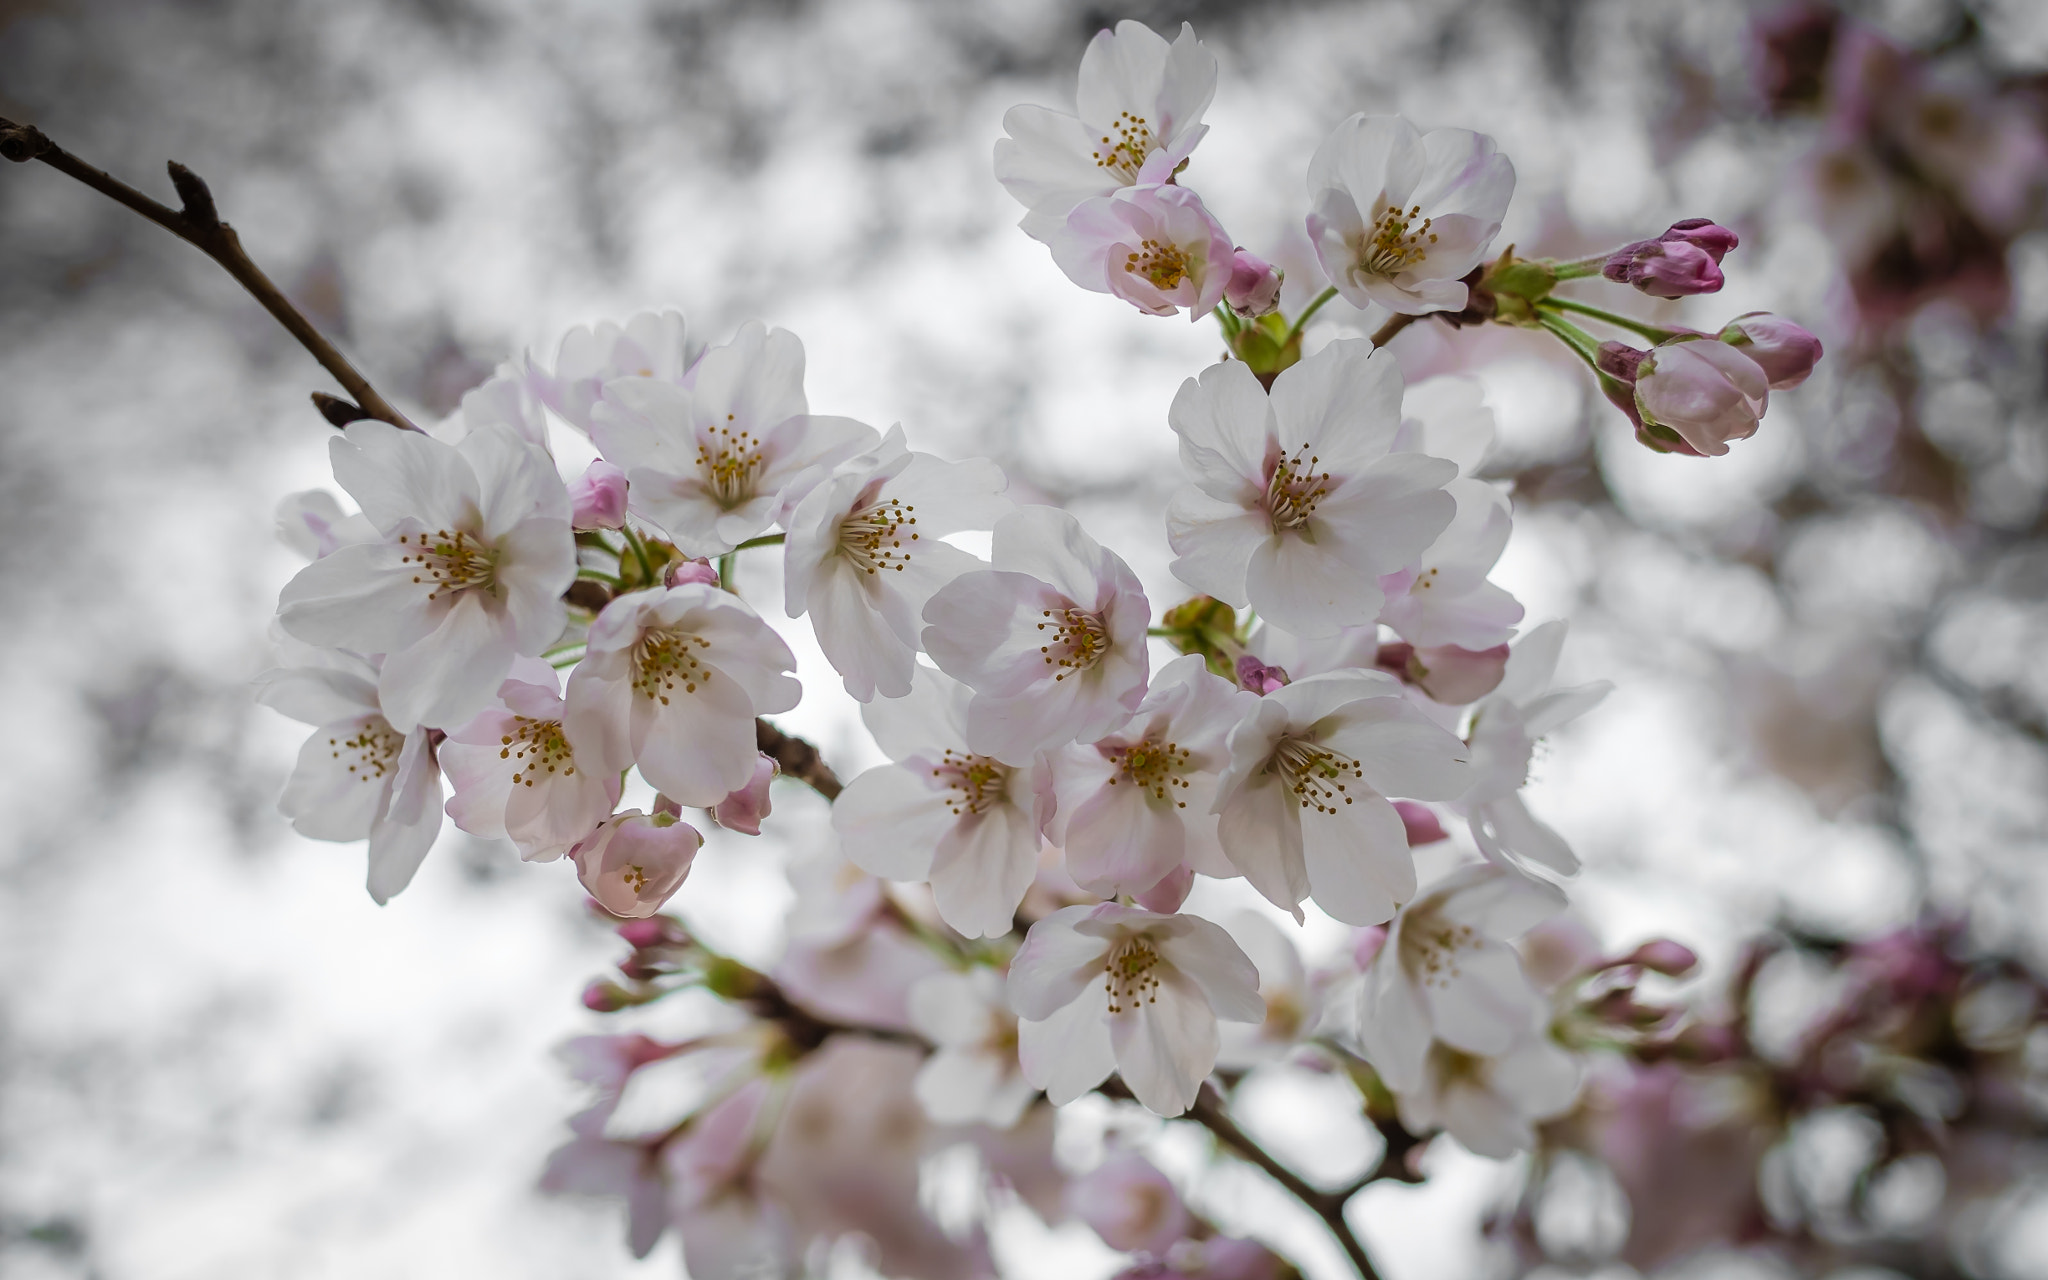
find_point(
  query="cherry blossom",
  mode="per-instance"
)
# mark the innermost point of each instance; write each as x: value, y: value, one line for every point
x: 636, y: 861
x: 652, y: 344
x: 1139, y: 108
x: 965, y: 821
x: 1154, y: 246
x: 673, y: 679
x: 515, y: 771
x: 472, y: 555
x: 717, y: 460
x: 1137, y: 804
x: 1130, y: 1204
x: 743, y: 810
x: 1503, y: 735
x: 1445, y: 599
x: 1291, y: 1008
x: 1785, y: 352
x: 1297, y: 507
x: 597, y: 498
x: 1111, y: 987
x: 1447, y: 417
x: 1446, y: 972
x: 500, y: 402
x: 1051, y: 639
x: 1303, y: 801
x: 864, y: 556
x: 357, y: 776
x: 313, y: 524
x: 1491, y: 1103
x: 1398, y: 216
x: 732, y: 1227
x: 972, y: 1076
x: 1254, y: 288
x: 1698, y: 391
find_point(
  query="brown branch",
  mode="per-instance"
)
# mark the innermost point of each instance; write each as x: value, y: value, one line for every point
x: 797, y: 759
x: 198, y: 224
x: 1387, y: 331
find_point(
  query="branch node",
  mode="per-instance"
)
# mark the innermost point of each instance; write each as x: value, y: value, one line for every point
x: 193, y: 193
x: 21, y: 142
x: 337, y: 411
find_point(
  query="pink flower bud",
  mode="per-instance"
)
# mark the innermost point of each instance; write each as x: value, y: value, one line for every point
x: 597, y: 498
x: 680, y: 572
x: 654, y: 931
x: 606, y: 996
x: 1366, y: 944
x: 1784, y: 351
x: 1665, y: 270
x: 1254, y: 288
x: 1704, y: 234
x: 1707, y: 392
x: 1420, y: 822
x: 1662, y: 955
x: 1257, y: 676
x: 1172, y: 890
x: 634, y: 861
x: 743, y: 810
x: 1130, y: 1204
x: 1455, y: 676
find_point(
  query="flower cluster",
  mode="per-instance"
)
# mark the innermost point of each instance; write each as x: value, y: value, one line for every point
x: 1003, y: 925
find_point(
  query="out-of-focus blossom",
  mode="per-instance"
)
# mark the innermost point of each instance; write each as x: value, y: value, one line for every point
x: 1139, y: 110
x: 1445, y: 599
x: 636, y: 861
x: 1283, y: 985
x: 1137, y: 804
x: 733, y: 1227
x: 1130, y: 1204
x: 1492, y: 1103
x: 1784, y: 351
x: 743, y: 810
x: 313, y: 524
x: 1447, y: 417
x: 1504, y: 732
x: 1447, y: 974
x: 500, y: 402
x: 1154, y: 246
x: 1118, y: 988
x: 1398, y: 216
x: 652, y: 344
x: 515, y: 775
x: 1662, y: 955
x: 1705, y: 392
x: 1254, y: 288
x: 357, y: 777
x: 1051, y: 639
x: 717, y: 461
x: 965, y: 821
x: 1303, y: 802
x: 863, y: 556
x: 672, y: 679
x: 1449, y: 674
x: 972, y: 1076
x: 1685, y: 260
x: 1420, y: 823
x: 592, y: 1165
x: 467, y: 572
x: 1296, y: 507
x: 597, y: 498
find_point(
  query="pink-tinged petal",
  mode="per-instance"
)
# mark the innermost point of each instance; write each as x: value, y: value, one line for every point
x: 889, y: 820
x: 1454, y: 676
x: 1211, y: 959
x: 1420, y: 823
x: 1401, y: 752
x: 1215, y: 543
x: 1307, y: 589
x: 402, y: 835
x: 1385, y: 516
x: 1068, y: 1052
x: 449, y: 675
x: 482, y: 784
x: 1169, y: 892
x: 977, y: 627
x: 1484, y: 1004
x: 1050, y: 545
x: 1393, y: 1025
x: 1260, y: 829
x: 359, y: 598
x: 319, y: 695
x: 516, y: 481
x: 1047, y: 163
x: 1166, y: 1046
x: 855, y: 635
x: 1496, y: 901
x: 597, y: 498
x: 980, y: 869
x: 395, y: 475
x: 342, y: 779
x: 539, y: 563
x: 1120, y: 841
x: 1359, y: 867
x: 930, y: 720
x: 634, y: 863
x: 1053, y: 966
x: 1341, y: 404
x: 743, y: 809
x: 1224, y: 421
x: 699, y: 748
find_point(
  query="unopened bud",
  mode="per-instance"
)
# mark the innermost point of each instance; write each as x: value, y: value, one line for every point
x: 743, y: 810
x: 654, y: 931
x: 1662, y: 955
x: 1420, y: 822
x: 1704, y: 234
x: 597, y: 498
x: 684, y: 571
x: 1665, y: 269
x: 1257, y: 676
x: 1254, y: 288
x: 1366, y: 944
x: 1783, y: 350
x: 606, y: 996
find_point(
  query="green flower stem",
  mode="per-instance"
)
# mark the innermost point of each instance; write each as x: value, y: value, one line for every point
x: 1650, y: 331
x: 639, y: 553
x: 598, y: 575
x: 1583, y: 344
x: 1230, y: 324
x: 765, y: 540
x: 1580, y: 268
x: 1294, y: 330
x: 726, y: 563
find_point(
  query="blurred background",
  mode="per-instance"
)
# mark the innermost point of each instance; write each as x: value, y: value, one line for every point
x: 1825, y: 767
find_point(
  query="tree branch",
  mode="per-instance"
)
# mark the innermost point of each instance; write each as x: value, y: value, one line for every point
x: 1386, y: 332
x: 198, y: 224
x: 797, y: 759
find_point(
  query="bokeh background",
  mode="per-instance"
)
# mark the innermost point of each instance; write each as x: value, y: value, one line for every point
x: 219, y: 1059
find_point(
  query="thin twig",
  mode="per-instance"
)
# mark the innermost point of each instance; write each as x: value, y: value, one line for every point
x: 797, y: 759
x: 198, y: 224
x: 1390, y: 328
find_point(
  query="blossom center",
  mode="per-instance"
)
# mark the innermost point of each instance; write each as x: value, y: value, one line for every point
x: 978, y: 783
x: 1430, y: 953
x: 1078, y: 641
x: 873, y: 536
x: 374, y: 747
x: 1294, y: 489
x: 1151, y: 766
x: 665, y: 658
x: 1398, y: 239
x: 1314, y: 773
x: 1165, y: 265
x: 731, y: 459
x: 536, y: 745
x: 1130, y: 974
x: 1123, y: 149
x: 453, y: 562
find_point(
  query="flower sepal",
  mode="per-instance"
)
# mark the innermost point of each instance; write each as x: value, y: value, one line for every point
x: 1205, y: 625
